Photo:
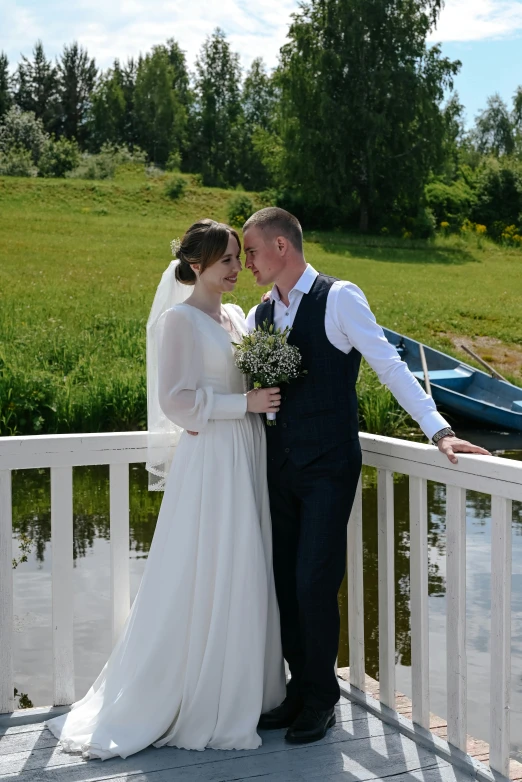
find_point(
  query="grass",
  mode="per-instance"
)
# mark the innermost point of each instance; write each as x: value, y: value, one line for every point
x: 80, y: 261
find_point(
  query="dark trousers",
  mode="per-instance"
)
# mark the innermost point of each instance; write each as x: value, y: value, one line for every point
x: 310, y: 507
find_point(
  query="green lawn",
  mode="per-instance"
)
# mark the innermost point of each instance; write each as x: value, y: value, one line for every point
x: 80, y: 261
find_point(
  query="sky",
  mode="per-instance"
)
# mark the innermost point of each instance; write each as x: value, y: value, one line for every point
x: 486, y: 35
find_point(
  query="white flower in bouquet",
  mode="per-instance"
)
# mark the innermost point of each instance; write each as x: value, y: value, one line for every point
x: 268, y: 359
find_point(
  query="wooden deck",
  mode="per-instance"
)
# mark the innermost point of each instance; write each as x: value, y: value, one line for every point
x: 359, y: 747
x: 476, y: 748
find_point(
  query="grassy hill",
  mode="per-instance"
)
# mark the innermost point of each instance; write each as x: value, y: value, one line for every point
x: 80, y: 261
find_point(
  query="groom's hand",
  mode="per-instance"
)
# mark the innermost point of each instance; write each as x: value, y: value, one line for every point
x: 451, y: 445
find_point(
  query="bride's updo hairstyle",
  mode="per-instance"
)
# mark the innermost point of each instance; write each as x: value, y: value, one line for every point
x: 204, y: 243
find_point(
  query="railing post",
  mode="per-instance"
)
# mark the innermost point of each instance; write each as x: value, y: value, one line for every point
x: 419, y: 602
x: 386, y: 552
x: 6, y: 594
x: 356, y: 592
x: 501, y: 567
x: 119, y: 521
x: 62, y: 584
x: 456, y: 661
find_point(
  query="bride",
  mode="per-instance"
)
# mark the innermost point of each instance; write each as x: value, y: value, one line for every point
x: 200, y: 655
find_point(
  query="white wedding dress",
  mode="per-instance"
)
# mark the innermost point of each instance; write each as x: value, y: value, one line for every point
x: 200, y: 655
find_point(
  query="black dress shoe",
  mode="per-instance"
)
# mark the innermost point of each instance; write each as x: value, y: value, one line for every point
x: 311, y: 725
x: 282, y: 716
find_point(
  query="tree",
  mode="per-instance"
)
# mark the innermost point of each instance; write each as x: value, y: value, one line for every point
x: 6, y: 99
x: 77, y: 77
x: 259, y: 96
x: 361, y: 119
x: 36, y: 87
x: 108, y: 110
x: 454, y: 137
x: 494, y: 130
x: 258, y: 165
x: 218, y: 116
x: 160, y: 102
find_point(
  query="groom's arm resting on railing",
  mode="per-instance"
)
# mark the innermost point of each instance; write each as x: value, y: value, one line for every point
x: 354, y: 318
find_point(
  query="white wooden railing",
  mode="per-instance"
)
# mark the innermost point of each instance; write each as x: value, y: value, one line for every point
x: 500, y: 478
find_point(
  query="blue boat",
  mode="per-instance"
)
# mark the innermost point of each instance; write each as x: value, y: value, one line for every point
x: 462, y: 390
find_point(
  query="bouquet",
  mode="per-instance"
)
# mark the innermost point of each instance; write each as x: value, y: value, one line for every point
x: 268, y: 359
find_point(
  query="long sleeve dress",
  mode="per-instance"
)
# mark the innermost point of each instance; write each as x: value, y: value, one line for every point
x: 200, y: 654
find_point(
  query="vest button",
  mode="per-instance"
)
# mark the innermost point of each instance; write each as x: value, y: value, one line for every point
x: 284, y: 426
x: 287, y: 450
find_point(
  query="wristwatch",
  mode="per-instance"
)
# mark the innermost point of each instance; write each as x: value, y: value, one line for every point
x: 446, y: 432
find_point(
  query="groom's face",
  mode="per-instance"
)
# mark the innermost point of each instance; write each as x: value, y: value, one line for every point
x: 263, y: 255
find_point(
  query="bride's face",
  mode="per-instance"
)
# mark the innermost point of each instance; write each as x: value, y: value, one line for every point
x: 221, y: 277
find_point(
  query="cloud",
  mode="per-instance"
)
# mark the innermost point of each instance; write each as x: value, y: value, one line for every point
x: 124, y: 28
x: 477, y: 20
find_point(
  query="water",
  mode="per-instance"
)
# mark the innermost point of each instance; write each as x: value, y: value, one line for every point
x: 92, y: 623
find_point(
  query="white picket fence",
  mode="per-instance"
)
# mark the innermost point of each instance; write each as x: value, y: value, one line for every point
x: 500, y: 478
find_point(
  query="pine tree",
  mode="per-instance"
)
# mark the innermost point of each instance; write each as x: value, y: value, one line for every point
x: 108, y: 110
x: 6, y: 99
x: 77, y: 78
x: 36, y: 87
x: 218, y: 115
x: 160, y: 102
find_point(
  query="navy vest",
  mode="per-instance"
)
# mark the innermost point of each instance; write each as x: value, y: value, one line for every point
x: 319, y: 410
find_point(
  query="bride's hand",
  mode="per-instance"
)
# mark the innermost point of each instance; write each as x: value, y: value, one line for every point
x: 263, y: 400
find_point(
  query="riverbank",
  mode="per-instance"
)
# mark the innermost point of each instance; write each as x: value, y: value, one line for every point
x: 80, y: 261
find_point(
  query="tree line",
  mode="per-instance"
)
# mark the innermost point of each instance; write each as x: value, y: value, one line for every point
x: 358, y: 126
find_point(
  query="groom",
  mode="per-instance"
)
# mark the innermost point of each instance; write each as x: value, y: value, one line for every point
x: 314, y: 455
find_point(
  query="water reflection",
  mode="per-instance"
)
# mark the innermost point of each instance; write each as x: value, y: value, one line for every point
x: 33, y: 642
x: 32, y: 513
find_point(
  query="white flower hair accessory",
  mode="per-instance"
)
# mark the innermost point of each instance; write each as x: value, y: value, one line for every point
x: 175, y: 247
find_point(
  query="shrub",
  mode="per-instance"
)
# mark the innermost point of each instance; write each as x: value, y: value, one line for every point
x: 511, y: 236
x: 175, y: 187
x: 20, y: 130
x: 104, y: 164
x: 58, y: 158
x: 93, y: 167
x: 240, y: 207
x: 424, y: 224
x: 499, y: 194
x: 173, y: 162
x: 27, y: 403
x: 17, y: 162
x: 449, y: 203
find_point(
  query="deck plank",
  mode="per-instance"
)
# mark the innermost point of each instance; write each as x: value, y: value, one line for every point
x: 360, y: 749
x: 42, y: 752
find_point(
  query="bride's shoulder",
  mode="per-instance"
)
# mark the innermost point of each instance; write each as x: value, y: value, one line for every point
x: 236, y: 309
x: 180, y: 310
x: 179, y: 314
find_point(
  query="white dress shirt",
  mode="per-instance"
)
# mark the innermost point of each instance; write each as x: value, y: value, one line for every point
x: 350, y: 323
